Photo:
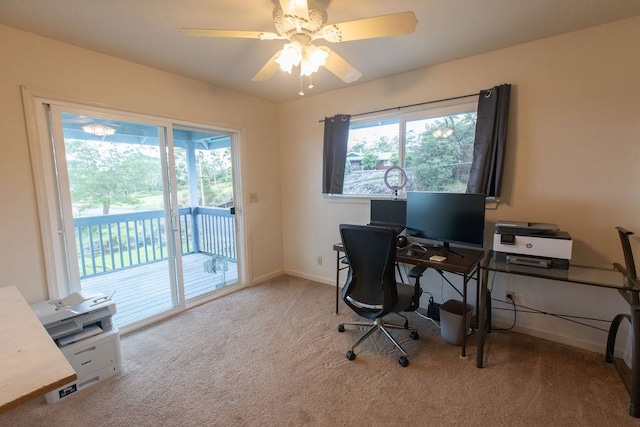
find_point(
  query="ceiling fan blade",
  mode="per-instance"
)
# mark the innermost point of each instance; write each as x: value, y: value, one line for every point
x: 341, y: 68
x: 205, y: 32
x: 369, y: 28
x: 298, y: 8
x: 268, y: 70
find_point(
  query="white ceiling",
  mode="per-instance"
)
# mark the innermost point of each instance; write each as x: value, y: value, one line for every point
x: 147, y: 32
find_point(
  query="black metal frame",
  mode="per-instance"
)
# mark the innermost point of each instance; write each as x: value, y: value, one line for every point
x: 631, y: 296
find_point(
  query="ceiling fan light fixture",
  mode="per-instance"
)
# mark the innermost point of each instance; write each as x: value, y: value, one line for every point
x: 314, y: 58
x: 98, y: 130
x: 290, y: 56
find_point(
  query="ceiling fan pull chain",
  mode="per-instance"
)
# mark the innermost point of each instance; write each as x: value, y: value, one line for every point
x: 301, y: 93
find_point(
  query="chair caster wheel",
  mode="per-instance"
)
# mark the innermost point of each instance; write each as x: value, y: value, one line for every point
x: 341, y: 328
x: 403, y: 361
x: 351, y: 355
x: 414, y: 335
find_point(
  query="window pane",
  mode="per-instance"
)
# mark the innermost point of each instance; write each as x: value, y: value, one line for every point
x: 439, y: 151
x: 372, y: 148
x: 215, y: 187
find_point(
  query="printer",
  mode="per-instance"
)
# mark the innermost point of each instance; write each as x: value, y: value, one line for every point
x: 81, y: 325
x: 533, y: 244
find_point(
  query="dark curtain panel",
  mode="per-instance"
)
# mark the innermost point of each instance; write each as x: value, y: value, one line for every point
x: 336, y: 135
x: 491, y: 137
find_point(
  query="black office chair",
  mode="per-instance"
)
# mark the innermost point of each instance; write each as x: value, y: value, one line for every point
x: 371, y: 289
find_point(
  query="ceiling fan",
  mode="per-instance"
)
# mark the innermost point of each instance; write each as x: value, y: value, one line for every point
x: 302, y: 22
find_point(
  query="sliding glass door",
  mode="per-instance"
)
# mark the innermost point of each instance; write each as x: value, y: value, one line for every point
x: 146, y: 209
x: 204, y: 175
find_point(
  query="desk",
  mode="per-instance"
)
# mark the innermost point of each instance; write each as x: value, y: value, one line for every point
x: 467, y: 267
x: 584, y: 275
x: 32, y: 364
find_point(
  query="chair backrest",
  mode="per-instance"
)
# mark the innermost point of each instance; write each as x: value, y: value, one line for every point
x: 370, y: 289
x: 630, y: 265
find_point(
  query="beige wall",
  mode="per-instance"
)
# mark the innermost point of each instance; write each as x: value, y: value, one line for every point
x: 36, y: 62
x: 573, y: 159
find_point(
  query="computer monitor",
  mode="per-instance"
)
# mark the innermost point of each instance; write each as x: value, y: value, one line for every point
x: 388, y: 213
x: 456, y: 218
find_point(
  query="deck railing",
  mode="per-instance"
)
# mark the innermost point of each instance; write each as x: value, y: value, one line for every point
x: 112, y: 242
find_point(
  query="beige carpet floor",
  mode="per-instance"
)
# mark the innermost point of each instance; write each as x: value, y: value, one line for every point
x: 271, y: 356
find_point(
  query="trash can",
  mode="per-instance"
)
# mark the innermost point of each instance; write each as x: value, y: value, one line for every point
x: 451, y: 327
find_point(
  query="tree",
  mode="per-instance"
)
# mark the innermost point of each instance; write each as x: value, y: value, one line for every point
x: 369, y: 160
x: 358, y: 147
x: 103, y: 174
x: 440, y: 161
x: 215, y: 176
x: 394, y: 160
x: 384, y: 145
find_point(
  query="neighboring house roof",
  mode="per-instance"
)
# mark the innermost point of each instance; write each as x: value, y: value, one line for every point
x: 354, y: 156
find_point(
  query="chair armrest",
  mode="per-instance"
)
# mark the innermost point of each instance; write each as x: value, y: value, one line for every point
x: 417, y: 271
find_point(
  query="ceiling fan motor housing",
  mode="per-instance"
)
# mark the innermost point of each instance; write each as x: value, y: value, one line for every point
x: 288, y: 25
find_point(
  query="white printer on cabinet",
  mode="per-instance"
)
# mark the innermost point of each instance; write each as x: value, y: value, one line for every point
x: 531, y: 243
x: 81, y: 325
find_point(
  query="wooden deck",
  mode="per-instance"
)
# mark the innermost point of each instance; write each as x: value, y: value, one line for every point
x: 145, y: 290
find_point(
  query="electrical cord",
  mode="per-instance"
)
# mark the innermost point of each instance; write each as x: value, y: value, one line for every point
x: 569, y: 318
x: 428, y: 318
x: 515, y: 314
x: 520, y: 307
x: 419, y: 245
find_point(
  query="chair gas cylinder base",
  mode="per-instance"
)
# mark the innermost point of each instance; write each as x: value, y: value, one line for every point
x: 380, y: 325
x: 371, y: 289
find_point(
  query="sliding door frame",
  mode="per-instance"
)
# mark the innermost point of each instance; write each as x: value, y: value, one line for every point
x: 54, y: 248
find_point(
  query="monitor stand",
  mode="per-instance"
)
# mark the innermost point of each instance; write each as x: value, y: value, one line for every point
x: 448, y: 251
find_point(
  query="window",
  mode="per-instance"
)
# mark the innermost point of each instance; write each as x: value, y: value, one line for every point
x: 434, y: 146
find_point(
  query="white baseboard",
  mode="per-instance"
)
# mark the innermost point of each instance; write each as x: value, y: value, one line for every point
x: 597, y: 347
x: 266, y: 277
x: 310, y: 277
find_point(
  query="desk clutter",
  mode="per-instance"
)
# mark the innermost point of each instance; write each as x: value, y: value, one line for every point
x: 81, y: 325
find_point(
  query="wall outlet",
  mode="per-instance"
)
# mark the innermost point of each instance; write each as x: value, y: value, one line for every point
x: 319, y: 260
x: 253, y: 197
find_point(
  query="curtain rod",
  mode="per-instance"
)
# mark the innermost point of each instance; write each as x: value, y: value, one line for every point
x: 411, y: 105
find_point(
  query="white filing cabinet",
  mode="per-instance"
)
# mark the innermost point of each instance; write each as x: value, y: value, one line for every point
x: 93, y: 359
